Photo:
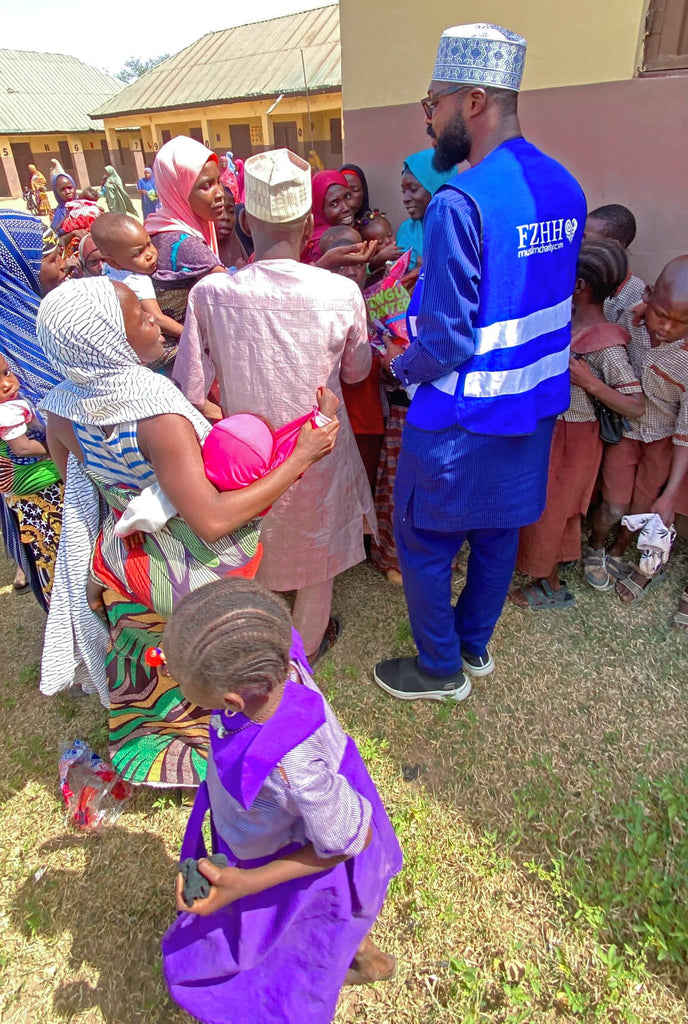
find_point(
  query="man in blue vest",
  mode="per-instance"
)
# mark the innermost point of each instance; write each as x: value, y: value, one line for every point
x: 488, y: 369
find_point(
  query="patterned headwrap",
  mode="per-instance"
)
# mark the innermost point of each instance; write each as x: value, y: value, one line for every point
x: 21, y: 250
x: 50, y: 242
x: 81, y: 327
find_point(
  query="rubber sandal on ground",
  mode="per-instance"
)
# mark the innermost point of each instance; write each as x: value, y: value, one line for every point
x: 332, y: 634
x: 541, y: 597
x: 637, y: 586
x: 595, y: 569
x: 21, y: 588
x: 617, y: 568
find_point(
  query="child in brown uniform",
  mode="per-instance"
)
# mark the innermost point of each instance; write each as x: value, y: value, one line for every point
x: 600, y: 372
x: 654, y: 452
x: 617, y: 222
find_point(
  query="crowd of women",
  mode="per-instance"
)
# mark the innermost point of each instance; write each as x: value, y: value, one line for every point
x: 82, y: 367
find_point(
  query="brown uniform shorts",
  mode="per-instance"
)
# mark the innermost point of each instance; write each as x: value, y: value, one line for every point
x: 634, y: 472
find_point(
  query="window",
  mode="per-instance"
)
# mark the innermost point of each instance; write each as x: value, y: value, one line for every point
x: 166, y: 136
x: 666, y: 38
x: 336, y: 135
x: 197, y: 134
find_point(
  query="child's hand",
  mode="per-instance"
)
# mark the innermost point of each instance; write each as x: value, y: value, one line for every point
x: 327, y: 402
x: 228, y: 885
x: 134, y: 540
x: 313, y: 445
x: 581, y: 374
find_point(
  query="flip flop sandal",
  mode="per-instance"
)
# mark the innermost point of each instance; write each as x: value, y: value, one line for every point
x: 596, y: 573
x: 617, y: 568
x: 21, y: 588
x: 541, y: 597
x: 332, y: 634
x: 637, y: 593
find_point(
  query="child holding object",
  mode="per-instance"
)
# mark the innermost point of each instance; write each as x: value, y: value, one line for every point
x: 600, y: 373
x: 311, y: 850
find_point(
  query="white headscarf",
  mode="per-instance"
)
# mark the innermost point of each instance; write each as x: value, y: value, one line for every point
x: 81, y: 330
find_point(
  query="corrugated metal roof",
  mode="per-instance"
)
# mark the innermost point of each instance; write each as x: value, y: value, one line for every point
x: 262, y: 59
x: 50, y: 92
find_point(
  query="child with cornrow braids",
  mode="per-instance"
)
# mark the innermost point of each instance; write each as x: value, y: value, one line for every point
x: 600, y: 373
x: 311, y: 850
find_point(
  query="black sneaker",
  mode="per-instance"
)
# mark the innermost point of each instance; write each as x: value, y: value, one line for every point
x: 478, y: 664
x: 404, y: 679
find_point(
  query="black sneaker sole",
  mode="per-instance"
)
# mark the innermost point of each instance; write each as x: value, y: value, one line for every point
x: 460, y: 693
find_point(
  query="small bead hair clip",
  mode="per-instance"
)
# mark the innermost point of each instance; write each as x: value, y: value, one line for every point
x: 370, y: 215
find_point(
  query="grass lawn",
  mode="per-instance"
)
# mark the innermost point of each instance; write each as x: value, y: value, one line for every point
x: 544, y: 826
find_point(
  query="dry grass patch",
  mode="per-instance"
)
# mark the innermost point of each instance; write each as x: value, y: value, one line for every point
x: 503, y: 806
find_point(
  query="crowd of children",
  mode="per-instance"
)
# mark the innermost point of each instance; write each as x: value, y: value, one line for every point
x: 294, y: 811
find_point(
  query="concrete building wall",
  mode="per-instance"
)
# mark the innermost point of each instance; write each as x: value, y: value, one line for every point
x: 80, y: 154
x: 213, y: 125
x: 583, y: 102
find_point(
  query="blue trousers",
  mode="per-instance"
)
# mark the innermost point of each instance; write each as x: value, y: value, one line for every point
x: 441, y: 630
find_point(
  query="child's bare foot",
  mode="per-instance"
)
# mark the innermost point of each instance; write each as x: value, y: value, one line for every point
x: 327, y: 402
x: 370, y: 964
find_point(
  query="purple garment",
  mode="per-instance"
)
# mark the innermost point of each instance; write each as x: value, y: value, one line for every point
x: 280, y: 956
x: 182, y: 259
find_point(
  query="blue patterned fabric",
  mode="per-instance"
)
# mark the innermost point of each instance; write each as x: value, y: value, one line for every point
x: 21, y: 244
x: 481, y: 54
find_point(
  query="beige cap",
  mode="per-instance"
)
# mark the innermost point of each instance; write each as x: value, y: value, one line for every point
x: 278, y: 186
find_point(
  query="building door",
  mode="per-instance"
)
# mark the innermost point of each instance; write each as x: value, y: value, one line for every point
x: 106, y: 152
x: 286, y: 135
x: 166, y: 135
x: 197, y: 134
x: 240, y: 140
x: 65, y: 156
x: 21, y: 151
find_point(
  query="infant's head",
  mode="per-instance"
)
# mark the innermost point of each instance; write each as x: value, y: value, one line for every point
x: 125, y: 243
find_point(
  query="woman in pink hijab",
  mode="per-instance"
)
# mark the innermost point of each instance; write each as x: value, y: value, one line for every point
x: 187, y: 180
x: 332, y: 202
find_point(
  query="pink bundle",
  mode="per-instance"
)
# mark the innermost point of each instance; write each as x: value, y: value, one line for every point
x: 388, y: 300
x: 243, y: 448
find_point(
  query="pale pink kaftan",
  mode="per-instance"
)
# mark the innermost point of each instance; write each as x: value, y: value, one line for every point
x: 272, y: 333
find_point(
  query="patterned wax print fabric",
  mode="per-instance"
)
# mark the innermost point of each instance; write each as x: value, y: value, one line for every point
x: 158, y: 742
x: 21, y: 247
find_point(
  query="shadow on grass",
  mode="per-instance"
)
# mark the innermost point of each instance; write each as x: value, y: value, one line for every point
x: 113, y: 907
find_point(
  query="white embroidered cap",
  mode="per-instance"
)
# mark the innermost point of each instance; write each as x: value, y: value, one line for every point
x: 481, y: 54
x: 278, y: 186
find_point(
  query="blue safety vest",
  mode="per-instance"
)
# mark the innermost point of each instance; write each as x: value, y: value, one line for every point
x: 532, y: 215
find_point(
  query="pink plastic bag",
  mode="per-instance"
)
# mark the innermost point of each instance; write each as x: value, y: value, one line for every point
x: 93, y: 791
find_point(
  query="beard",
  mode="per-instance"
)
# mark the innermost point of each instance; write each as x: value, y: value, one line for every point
x: 453, y: 146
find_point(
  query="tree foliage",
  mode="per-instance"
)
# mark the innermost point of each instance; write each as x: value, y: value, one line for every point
x: 134, y: 67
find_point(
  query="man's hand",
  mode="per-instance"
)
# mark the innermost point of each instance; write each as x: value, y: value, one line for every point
x: 393, y: 350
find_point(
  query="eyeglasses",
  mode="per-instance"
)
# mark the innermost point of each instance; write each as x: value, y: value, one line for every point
x: 429, y: 103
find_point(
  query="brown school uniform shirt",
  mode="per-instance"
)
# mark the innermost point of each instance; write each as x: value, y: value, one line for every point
x: 663, y: 373
x: 611, y: 365
x: 629, y: 294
